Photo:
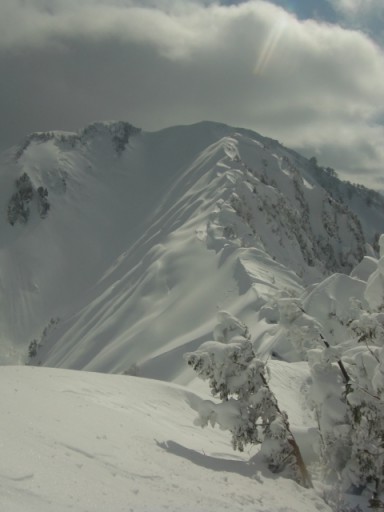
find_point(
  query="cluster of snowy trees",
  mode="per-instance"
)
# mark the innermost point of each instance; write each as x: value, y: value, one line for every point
x: 331, y: 240
x: 348, y: 391
x: 18, y: 207
x: 19, y: 204
x: 119, y: 131
x: 36, y: 344
x: 338, y: 327
x: 342, y: 190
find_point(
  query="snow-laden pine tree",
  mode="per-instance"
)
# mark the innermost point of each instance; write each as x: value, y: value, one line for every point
x: 347, y: 390
x: 248, y: 407
x: 351, y: 415
x: 365, y: 396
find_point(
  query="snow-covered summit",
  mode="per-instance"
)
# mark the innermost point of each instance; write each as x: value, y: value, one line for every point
x: 118, y: 132
x: 147, y: 235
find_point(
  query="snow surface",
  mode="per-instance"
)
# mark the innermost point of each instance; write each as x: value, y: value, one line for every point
x: 91, y: 442
x: 148, y: 237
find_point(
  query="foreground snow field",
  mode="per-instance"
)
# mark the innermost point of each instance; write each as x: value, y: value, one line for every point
x: 92, y: 442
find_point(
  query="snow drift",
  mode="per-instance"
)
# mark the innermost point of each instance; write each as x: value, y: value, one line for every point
x: 91, y: 442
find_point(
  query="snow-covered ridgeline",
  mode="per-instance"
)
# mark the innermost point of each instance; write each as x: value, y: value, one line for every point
x: 138, y: 223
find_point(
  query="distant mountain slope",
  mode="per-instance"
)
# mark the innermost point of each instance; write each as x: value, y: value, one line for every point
x: 119, y: 246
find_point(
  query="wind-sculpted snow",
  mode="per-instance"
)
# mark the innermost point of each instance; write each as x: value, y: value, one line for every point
x: 150, y: 234
x: 90, y: 442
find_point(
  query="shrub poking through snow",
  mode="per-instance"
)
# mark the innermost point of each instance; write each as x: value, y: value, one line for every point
x: 248, y: 407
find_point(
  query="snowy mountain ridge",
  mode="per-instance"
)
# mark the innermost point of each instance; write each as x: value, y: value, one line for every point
x: 139, y: 222
x: 119, y: 132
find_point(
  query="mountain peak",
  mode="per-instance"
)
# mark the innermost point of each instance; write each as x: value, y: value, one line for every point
x: 118, y: 132
x: 131, y: 238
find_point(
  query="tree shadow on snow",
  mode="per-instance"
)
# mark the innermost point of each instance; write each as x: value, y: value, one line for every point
x: 253, y: 468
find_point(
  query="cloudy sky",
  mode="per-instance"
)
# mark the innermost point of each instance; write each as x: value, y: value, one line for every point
x: 307, y: 72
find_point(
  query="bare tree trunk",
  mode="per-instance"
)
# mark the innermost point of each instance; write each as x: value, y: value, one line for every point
x: 306, y: 480
x: 305, y: 476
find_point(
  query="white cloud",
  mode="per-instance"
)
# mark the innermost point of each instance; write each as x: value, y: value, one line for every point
x: 358, y: 7
x: 365, y: 15
x: 162, y: 62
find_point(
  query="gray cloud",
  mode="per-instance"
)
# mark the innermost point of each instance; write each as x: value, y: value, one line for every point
x: 365, y: 10
x: 314, y: 86
x: 364, y: 15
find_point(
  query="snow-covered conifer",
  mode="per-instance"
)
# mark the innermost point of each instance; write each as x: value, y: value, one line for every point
x: 248, y: 408
x: 347, y: 390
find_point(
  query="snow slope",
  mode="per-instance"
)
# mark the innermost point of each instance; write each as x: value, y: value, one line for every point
x: 150, y: 234
x: 91, y: 442
x: 147, y: 237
